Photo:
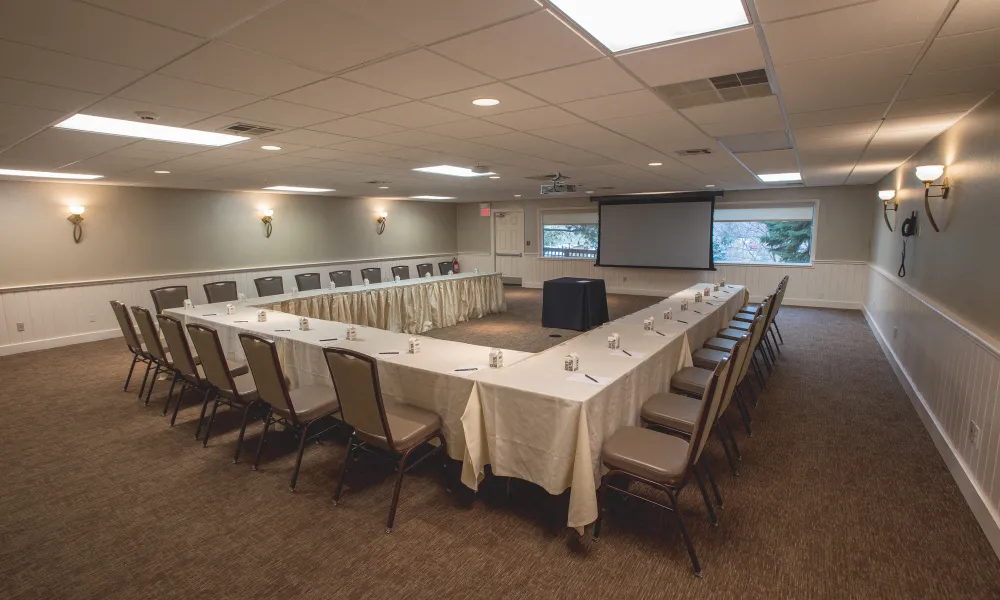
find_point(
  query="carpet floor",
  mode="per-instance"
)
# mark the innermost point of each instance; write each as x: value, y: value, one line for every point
x: 841, y: 495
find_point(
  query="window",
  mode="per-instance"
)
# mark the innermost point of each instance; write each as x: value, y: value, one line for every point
x: 774, y: 234
x: 569, y: 233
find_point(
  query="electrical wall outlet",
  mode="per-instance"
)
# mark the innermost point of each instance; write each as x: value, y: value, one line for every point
x: 895, y: 332
x: 974, y: 434
x: 91, y: 318
x: 20, y: 326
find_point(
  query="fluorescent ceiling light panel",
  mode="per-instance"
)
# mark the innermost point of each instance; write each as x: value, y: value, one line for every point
x: 148, y: 131
x: 292, y: 188
x: 432, y: 197
x: 626, y: 24
x: 46, y: 174
x: 453, y: 171
x: 779, y: 177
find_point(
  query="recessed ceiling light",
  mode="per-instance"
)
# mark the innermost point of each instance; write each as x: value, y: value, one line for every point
x: 292, y: 188
x: 432, y: 197
x: 486, y: 102
x: 162, y: 172
x: 494, y: 177
x: 383, y: 187
x: 779, y: 177
x: 271, y: 148
x: 148, y: 131
x: 629, y: 24
x: 517, y: 195
x: 453, y: 171
x: 590, y: 191
x: 46, y: 174
x: 710, y: 185
x: 656, y: 164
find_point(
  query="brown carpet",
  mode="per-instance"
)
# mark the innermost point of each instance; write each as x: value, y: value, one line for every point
x: 842, y: 495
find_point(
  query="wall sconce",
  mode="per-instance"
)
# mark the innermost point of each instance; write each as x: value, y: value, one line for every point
x: 382, y: 218
x: 928, y: 174
x: 76, y: 217
x: 887, y: 197
x: 266, y: 219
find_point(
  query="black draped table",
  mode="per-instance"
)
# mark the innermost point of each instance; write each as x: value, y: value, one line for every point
x: 574, y: 303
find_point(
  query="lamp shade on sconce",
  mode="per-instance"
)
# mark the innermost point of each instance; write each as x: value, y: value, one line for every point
x: 929, y: 173
x: 76, y: 210
x: 886, y: 195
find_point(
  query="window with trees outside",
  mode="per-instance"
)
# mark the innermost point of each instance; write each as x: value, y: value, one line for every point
x: 569, y: 233
x: 766, y: 234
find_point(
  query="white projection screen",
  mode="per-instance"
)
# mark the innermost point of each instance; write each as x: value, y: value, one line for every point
x: 657, y: 233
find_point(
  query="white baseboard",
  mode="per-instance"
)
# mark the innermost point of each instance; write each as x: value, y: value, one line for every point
x: 79, y: 338
x: 988, y: 520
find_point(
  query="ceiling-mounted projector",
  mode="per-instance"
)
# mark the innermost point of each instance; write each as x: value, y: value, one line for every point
x: 480, y: 169
x: 558, y: 186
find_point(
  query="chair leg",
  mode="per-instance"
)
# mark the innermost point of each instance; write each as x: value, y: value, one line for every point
x: 298, y: 459
x: 704, y: 496
x: 201, y: 419
x: 243, y: 431
x: 602, y: 505
x: 343, y: 470
x: 135, y: 359
x: 211, y: 421
x: 170, y: 394
x: 447, y: 463
x: 744, y: 415
x: 263, y: 434
x: 725, y: 448
x: 149, y: 365
x: 778, y: 329
x: 773, y: 339
x: 149, y: 392
x: 757, y: 372
x: 753, y: 394
x: 177, y: 406
x: 770, y: 350
x: 715, y: 488
x: 767, y: 359
x: 395, y: 493
x: 687, y: 539
x: 732, y: 438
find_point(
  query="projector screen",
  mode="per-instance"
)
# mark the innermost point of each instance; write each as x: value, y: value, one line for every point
x: 657, y: 233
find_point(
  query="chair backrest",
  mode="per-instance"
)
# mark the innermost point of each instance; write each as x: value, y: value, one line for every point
x: 180, y: 351
x: 739, y: 356
x: 373, y: 275
x: 707, y: 413
x: 425, y: 269
x: 355, y: 379
x: 780, y: 293
x: 213, y: 358
x: 308, y: 281
x: 445, y: 266
x: 757, y: 327
x: 221, y: 291
x: 401, y: 271
x: 169, y: 297
x: 128, y: 328
x: 149, y: 334
x: 341, y: 278
x: 269, y: 286
x: 262, y: 357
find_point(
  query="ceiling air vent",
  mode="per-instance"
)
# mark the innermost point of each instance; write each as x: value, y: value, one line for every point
x: 716, y: 90
x: 694, y: 152
x: 249, y: 129
x: 548, y: 177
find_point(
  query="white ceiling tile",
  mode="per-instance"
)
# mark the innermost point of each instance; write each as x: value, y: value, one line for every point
x: 892, y: 144
x: 838, y: 116
x: 107, y: 164
x: 866, y: 173
x: 940, y: 121
x: 307, y: 137
x: 364, y: 146
x: 952, y: 103
x: 90, y: 32
x: 413, y: 137
x: 57, y: 147
x: 510, y: 100
x: 827, y: 174
x: 229, y: 66
x: 842, y: 81
x: 157, y: 89
x: 340, y: 95
x: 832, y: 150
x: 18, y: 121
x: 772, y: 161
x: 852, y: 29
x: 835, y: 131
x: 24, y: 93
x: 774, y: 10
x: 534, y: 118
x: 732, y: 51
x: 468, y: 129
x: 123, y: 108
x: 166, y: 148
x: 629, y: 104
x: 596, y: 139
x: 417, y: 74
x: 756, y: 141
x: 414, y: 115
x: 962, y: 51
x: 536, y: 146
x: 666, y: 132
x: 198, y: 17
x: 26, y: 63
x: 958, y: 81
x: 284, y: 113
x: 357, y: 127
x: 579, y: 82
x: 314, y: 34
x: 972, y: 15
x: 537, y: 42
x: 751, y: 109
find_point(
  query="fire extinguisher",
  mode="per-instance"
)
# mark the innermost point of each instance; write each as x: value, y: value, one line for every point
x: 454, y: 265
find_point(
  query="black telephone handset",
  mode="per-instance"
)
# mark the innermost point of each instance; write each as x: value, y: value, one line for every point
x: 909, y: 228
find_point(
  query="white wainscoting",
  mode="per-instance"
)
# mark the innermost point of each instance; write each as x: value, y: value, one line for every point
x: 830, y: 284
x: 71, y: 313
x: 952, y: 375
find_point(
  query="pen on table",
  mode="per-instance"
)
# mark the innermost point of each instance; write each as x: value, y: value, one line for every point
x: 388, y: 352
x: 277, y: 330
x: 710, y: 304
x: 469, y: 369
x: 679, y: 321
x: 663, y: 334
x: 241, y: 321
x: 697, y: 311
x: 329, y: 340
x: 591, y: 378
x: 210, y: 315
x: 626, y: 352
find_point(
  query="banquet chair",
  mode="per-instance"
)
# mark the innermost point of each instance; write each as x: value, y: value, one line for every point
x: 269, y: 286
x: 396, y: 430
x: 373, y: 275
x: 445, y: 267
x: 663, y: 462
x: 425, y: 269
x: 169, y: 297
x: 401, y: 271
x: 307, y: 281
x: 237, y: 392
x: 132, y: 339
x: 747, y: 312
x: 341, y: 278
x: 159, y: 358
x: 726, y: 338
x: 187, y: 367
x: 221, y: 291
x: 297, y: 409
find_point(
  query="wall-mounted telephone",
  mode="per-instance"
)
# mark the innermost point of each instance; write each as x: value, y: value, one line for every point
x: 908, y: 229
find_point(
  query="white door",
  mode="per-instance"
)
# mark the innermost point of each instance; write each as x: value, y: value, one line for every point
x: 510, y: 243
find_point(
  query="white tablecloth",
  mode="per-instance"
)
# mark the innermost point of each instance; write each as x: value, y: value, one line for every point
x: 410, y: 305
x: 538, y: 422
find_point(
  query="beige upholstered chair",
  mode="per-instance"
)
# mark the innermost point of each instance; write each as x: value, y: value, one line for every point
x: 747, y: 313
x: 308, y: 281
x: 425, y: 269
x: 341, y: 278
x: 663, y: 462
x: 169, y: 297
x: 373, y: 275
x: 159, y: 358
x: 269, y: 286
x: 445, y: 267
x: 221, y: 291
x: 299, y: 409
x: 401, y: 271
x: 238, y: 392
x: 132, y: 339
x: 395, y: 430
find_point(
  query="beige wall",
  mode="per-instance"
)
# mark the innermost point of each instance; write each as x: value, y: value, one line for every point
x: 956, y: 267
x: 147, y: 231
